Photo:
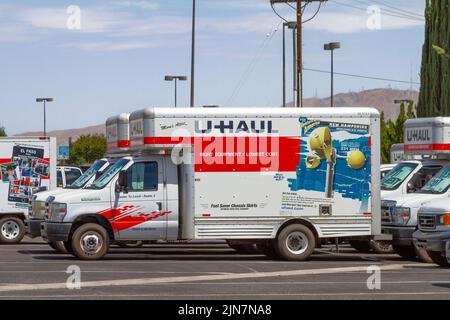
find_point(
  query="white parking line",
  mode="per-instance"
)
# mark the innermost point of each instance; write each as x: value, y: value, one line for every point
x: 165, y: 280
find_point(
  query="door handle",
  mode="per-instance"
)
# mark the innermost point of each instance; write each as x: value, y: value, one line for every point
x: 159, y: 204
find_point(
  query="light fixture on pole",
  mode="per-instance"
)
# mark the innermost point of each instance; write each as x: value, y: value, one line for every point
x: 175, y: 78
x: 331, y: 47
x: 44, y: 100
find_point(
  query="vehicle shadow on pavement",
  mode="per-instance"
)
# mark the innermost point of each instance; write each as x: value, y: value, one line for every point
x: 441, y: 285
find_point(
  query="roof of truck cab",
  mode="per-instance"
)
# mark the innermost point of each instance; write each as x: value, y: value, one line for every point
x: 262, y: 112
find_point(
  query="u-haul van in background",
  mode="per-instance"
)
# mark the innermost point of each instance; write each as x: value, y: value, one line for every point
x: 280, y: 177
x: 420, y: 181
x: 118, y: 144
x: 28, y: 166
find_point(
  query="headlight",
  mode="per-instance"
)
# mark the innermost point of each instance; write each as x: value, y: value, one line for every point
x: 444, y: 219
x: 57, y: 211
x: 37, y: 210
x: 401, y: 215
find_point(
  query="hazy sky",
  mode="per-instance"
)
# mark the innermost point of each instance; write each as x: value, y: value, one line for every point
x: 117, y: 61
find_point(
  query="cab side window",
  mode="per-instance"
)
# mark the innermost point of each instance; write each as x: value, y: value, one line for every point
x: 59, y: 179
x: 143, y: 176
x: 72, y: 175
x: 422, y: 177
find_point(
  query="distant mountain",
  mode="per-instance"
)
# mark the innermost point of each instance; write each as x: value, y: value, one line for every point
x: 382, y: 99
x: 62, y: 136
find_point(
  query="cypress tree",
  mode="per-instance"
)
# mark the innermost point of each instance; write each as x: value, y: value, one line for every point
x: 434, y: 99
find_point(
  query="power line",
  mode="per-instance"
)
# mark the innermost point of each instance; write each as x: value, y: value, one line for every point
x: 387, y: 14
x: 361, y: 76
x: 396, y: 11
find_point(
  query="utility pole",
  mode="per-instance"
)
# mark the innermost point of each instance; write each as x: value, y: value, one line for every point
x: 299, y: 75
x: 193, y: 56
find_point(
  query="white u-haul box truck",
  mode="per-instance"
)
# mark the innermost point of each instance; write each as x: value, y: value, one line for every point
x: 118, y: 145
x: 28, y: 165
x: 282, y: 177
x: 422, y: 181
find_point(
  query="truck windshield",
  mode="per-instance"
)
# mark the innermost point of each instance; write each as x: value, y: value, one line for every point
x: 396, y: 176
x: 85, y: 177
x: 109, y: 174
x: 440, y: 183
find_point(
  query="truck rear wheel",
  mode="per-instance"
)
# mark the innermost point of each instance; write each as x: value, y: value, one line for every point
x: 296, y: 242
x: 90, y: 242
x: 439, y: 259
x: 12, y: 230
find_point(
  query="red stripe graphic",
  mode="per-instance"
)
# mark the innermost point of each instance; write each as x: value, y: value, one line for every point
x: 129, y: 216
x: 427, y: 147
x: 238, y: 154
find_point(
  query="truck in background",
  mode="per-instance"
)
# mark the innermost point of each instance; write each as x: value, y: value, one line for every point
x: 118, y: 144
x: 28, y: 166
x: 430, y: 139
x: 434, y: 225
x: 66, y: 175
x: 282, y: 178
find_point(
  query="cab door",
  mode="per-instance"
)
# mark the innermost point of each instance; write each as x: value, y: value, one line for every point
x: 139, y: 211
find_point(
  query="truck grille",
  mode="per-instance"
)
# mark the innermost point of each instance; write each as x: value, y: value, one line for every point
x: 427, y: 222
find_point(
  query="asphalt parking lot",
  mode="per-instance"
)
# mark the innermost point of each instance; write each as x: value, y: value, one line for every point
x: 203, y: 271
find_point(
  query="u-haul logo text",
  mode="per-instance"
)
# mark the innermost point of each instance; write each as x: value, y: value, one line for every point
x: 419, y: 135
x: 230, y: 127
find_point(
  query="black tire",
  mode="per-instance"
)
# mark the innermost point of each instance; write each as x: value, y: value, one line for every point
x: 267, y: 247
x: 381, y: 247
x: 130, y: 244
x: 51, y: 245
x: 439, y: 259
x: 296, y: 242
x: 407, y: 252
x: 360, y: 246
x: 243, y: 248
x: 12, y: 230
x: 90, y: 242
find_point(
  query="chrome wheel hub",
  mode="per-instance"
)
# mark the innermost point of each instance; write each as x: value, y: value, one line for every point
x: 10, y: 230
x: 297, y: 242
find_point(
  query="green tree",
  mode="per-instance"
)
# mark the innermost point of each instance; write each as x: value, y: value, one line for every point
x: 392, y: 131
x: 3, y: 132
x: 87, y: 149
x: 434, y: 99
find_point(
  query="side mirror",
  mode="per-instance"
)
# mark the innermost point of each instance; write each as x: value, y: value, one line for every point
x: 410, y: 187
x: 122, y: 182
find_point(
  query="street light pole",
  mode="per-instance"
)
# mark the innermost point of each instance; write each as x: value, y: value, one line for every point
x: 45, y: 100
x: 284, y: 65
x: 193, y: 55
x: 175, y: 79
x: 331, y: 47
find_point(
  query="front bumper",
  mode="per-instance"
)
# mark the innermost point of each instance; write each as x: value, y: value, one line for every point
x: 402, y: 236
x: 56, y: 231
x: 34, y: 227
x: 431, y: 241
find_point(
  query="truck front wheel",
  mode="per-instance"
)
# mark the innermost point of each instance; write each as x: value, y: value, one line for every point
x: 296, y: 242
x: 90, y: 242
x: 12, y: 230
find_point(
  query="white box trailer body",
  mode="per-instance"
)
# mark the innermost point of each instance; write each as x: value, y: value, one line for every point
x: 243, y: 173
x: 28, y: 165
